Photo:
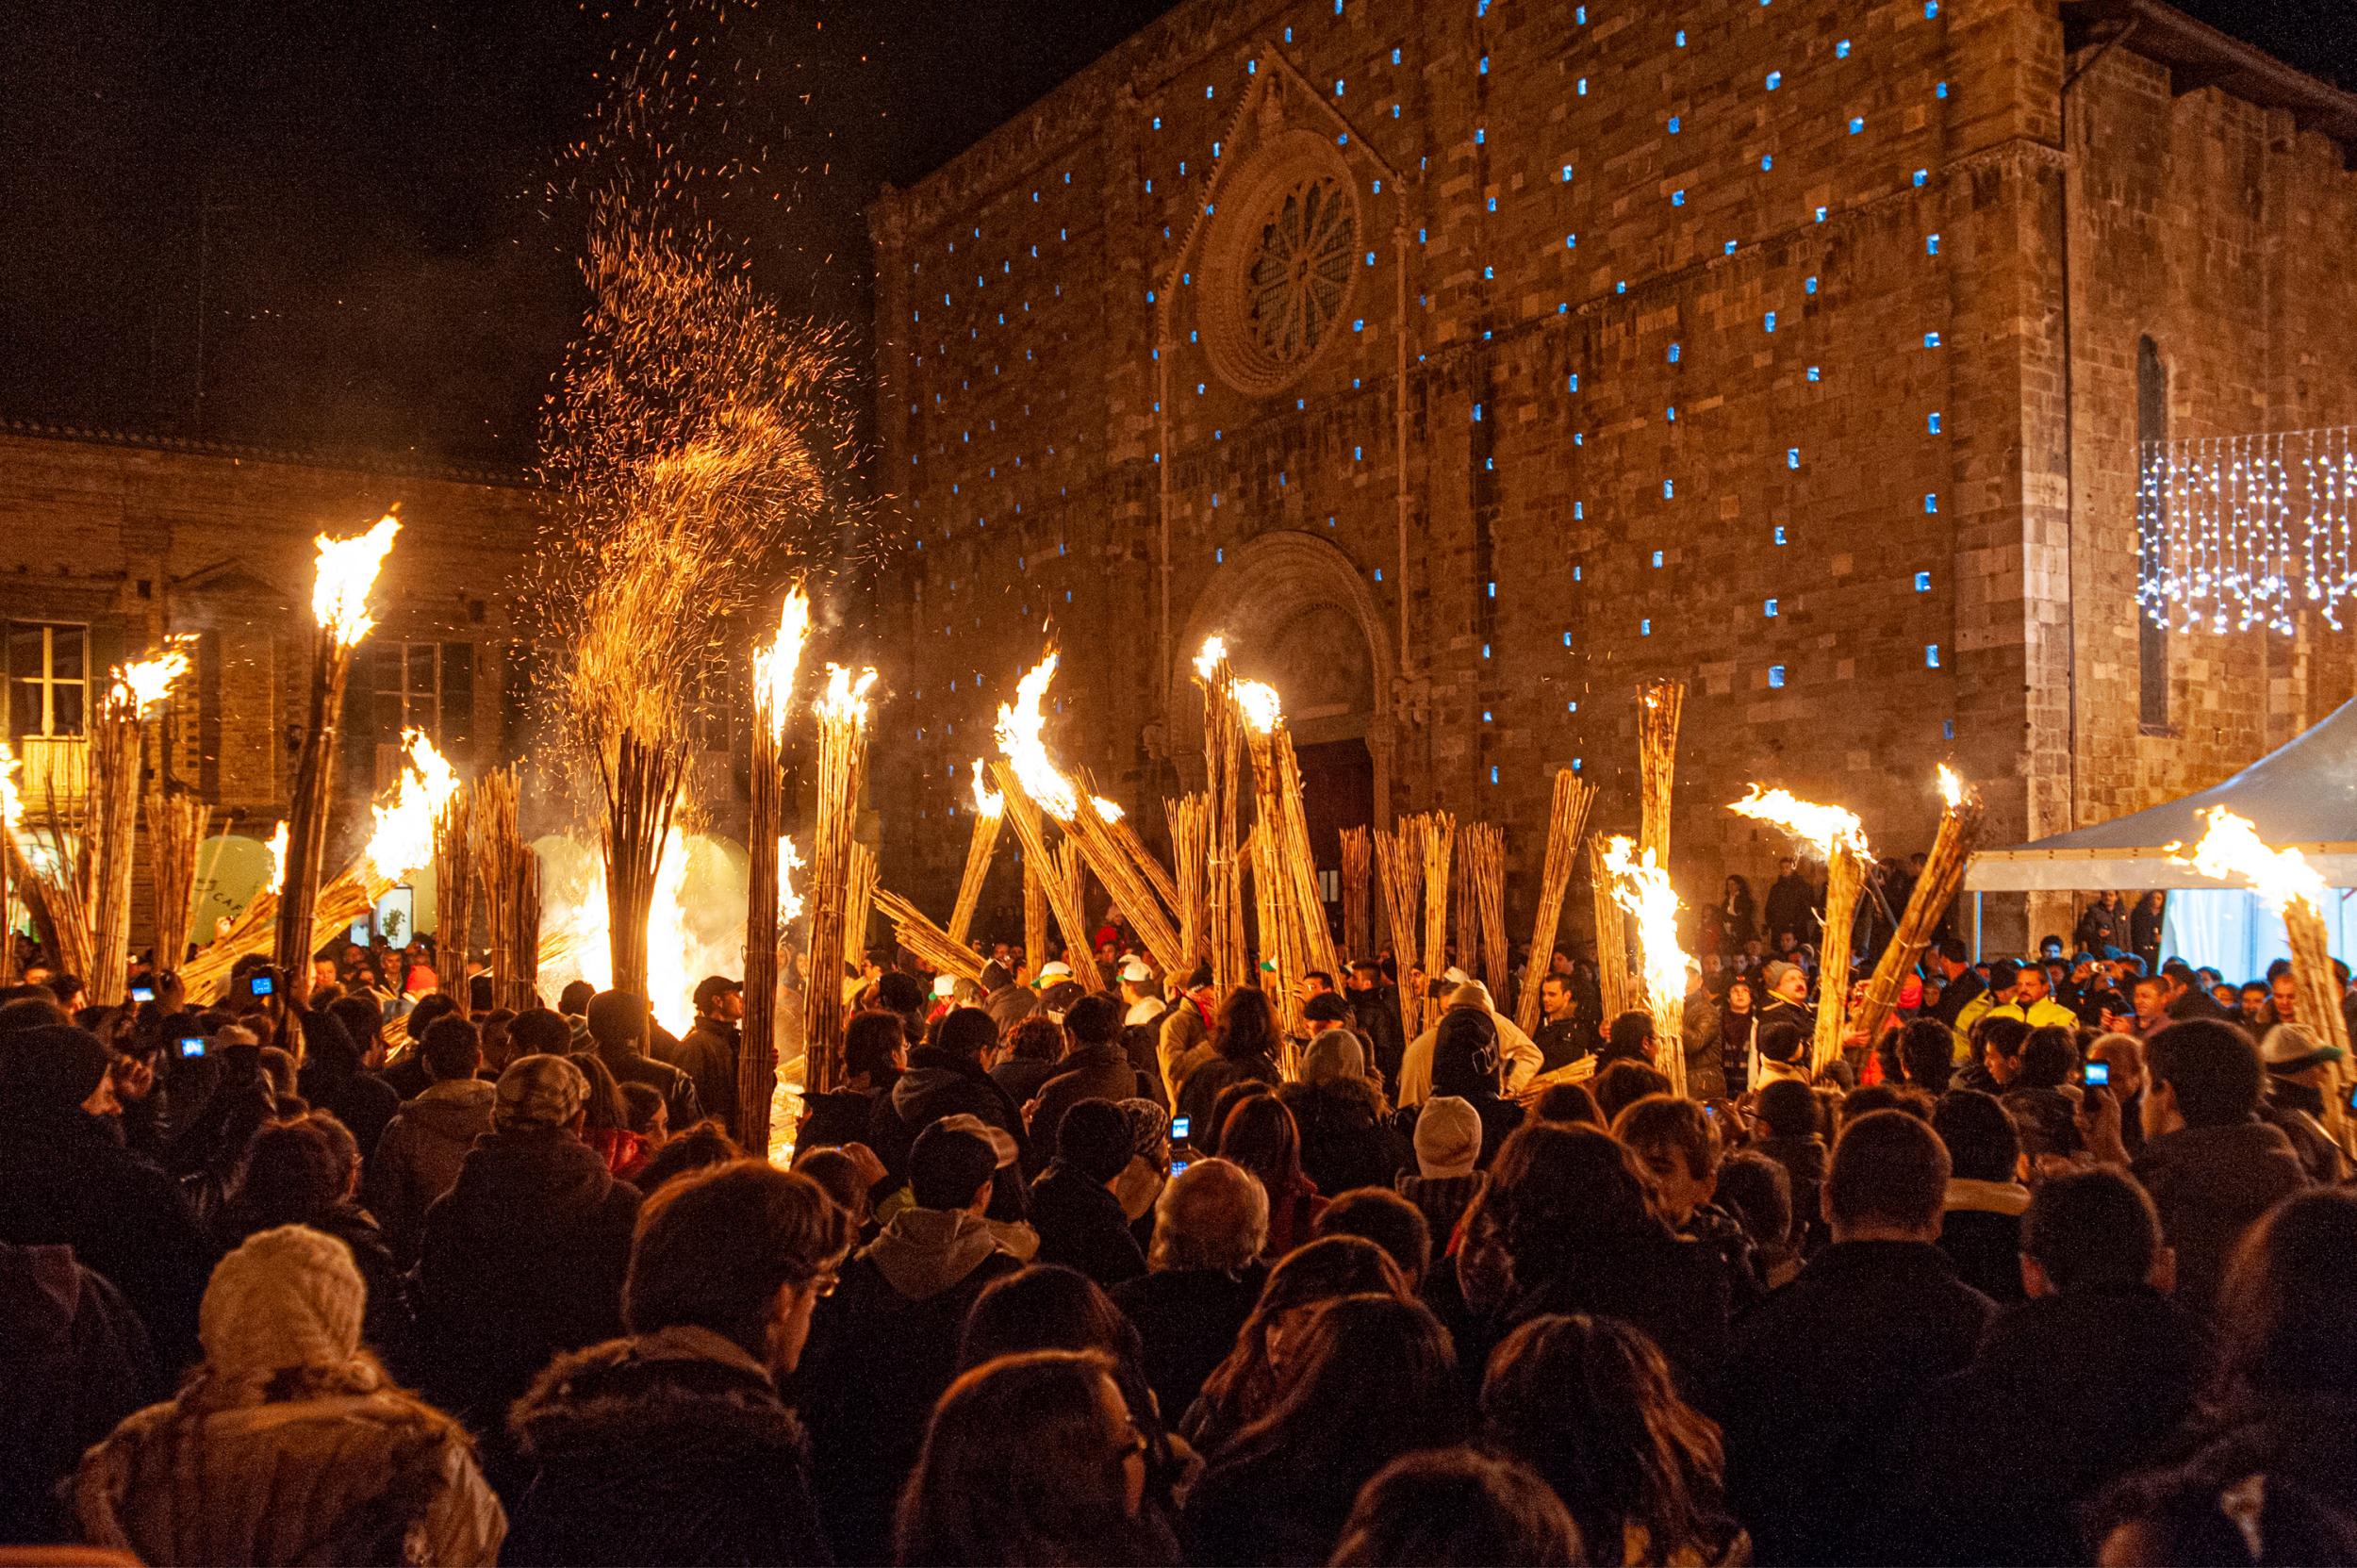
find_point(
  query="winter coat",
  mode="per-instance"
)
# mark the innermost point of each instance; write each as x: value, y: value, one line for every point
x: 937, y: 1085
x: 1376, y: 1011
x: 707, y: 1054
x: 1980, y: 1230
x: 64, y: 1180
x: 1698, y: 1032
x: 2296, y: 1110
x: 1791, y: 904
x: 2068, y: 1395
x: 1677, y: 1290
x: 74, y: 1361
x: 1564, y: 1041
x: 1142, y: 1043
x: 365, y: 1105
x: 834, y: 1118
x: 1346, y: 1142
x: 1819, y: 1373
x: 1443, y: 1200
x: 341, y: 1475
x: 671, y: 1447
x: 522, y: 1259
x: 1200, y: 1091
x: 2211, y: 1184
x: 1805, y: 1162
x: 1024, y: 1077
x: 417, y: 1160
x: 1091, y: 1072
x: 1188, y: 1320
x: 1010, y: 1005
x: 1080, y: 1225
x: 679, y: 1103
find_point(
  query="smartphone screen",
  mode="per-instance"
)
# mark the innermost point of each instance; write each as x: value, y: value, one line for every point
x: 142, y: 993
x: 263, y: 986
x: 1178, y: 1129
x: 2099, y: 1075
x: 191, y: 1045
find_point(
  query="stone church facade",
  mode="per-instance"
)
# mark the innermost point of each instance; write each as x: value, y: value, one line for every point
x: 1466, y: 364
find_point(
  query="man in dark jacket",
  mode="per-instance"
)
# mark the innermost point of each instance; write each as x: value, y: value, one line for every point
x: 332, y: 1080
x: 708, y: 1053
x: 1080, y: 1221
x: 1960, y: 983
x: 1789, y: 901
x: 64, y: 1178
x: 883, y: 1348
x: 1210, y: 1226
x: 1095, y: 1067
x: 946, y: 1077
x: 418, y: 1158
x: 1563, y: 1035
x: 875, y: 1051
x: 1980, y: 1221
x: 1823, y: 1368
x: 74, y: 1361
x: 2188, y: 999
x: 672, y: 1445
x: 1375, y: 1007
x: 620, y: 1028
x: 2071, y: 1391
x: 524, y: 1257
x: 1008, y: 1000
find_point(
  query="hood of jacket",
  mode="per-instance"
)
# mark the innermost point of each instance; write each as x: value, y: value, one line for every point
x: 613, y: 1408
x: 456, y: 1109
x: 45, y: 1290
x: 1804, y: 1156
x: 2246, y: 1163
x: 517, y: 1184
x: 937, y: 1084
x: 922, y: 1252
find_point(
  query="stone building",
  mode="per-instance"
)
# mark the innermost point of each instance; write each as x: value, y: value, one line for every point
x: 1465, y: 364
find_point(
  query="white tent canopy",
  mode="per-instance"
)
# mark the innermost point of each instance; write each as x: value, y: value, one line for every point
x: 2301, y: 796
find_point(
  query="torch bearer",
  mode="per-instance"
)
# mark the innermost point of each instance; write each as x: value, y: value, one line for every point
x: 1840, y: 839
x: 774, y: 668
x: 1943, y: 875
x: 339, y: 605
x: 990, y: 816
x: 842, y: 716
x: 111, y: 826
x: 1642, y: 888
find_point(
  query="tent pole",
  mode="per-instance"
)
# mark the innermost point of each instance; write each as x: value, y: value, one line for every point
x: 1976, y: 925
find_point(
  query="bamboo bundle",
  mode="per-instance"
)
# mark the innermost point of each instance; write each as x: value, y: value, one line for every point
x: 1039, y: 864
x: 1614, y: 984
x: 1464, y: 912
x: 176, y: 824
x: 1191, y: 853
x: 859, y: 901
x: 1035, y: 916
x: 1357, y: 895
x: 1223, y: 767
x: 1149, y: 865
x: 1399, y: 861
x: 2318, y: 990
x: 927, y: 941
x: 776, y: 664
x: 1659, y: 704
x: 1567, y: 819
x: 60, y: 880
x: 642, y: 780
x: 842, y: 717
x: 1845, y: 873
x: 11, y: 819
x: 334, y: 908
x: 990, y: 816
x: 1279, y: 932
x: 1093, y: 832
x: 1439, y: 839
x: 1484, y: 859
x: 1641, y: 886
x: 109, y: 834
x: 1943, y: 876
x: 1074, y: 870
x: 454, y: 892
x: 510, y: 871
x: 1317, y: 931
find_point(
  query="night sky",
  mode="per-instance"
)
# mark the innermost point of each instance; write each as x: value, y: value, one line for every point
x: 329, y: 225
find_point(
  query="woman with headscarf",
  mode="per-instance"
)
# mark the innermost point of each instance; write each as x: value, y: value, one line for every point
x: 288, y: 1443
x: 1347, y: 1137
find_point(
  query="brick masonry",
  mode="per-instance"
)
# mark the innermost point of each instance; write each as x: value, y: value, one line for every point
x: 1704, y: 308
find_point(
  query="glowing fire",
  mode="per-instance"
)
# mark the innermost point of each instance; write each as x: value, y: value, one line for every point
x: 987, y: 801
x: 774, y: 665
x: 143, y: 684
x: 790, y: 861
x: 11, y: 807
x: 403, y: 840
x: 2232, y: 848
x: 670, y: 987
x: 1020, y: 726
x: 1950, y: 787
x: 1262, y: 708
x: 278, y: 858
x: 1823, y: 827
x: 1214, y: 654
x: 347, y: 571
x: 846, y: 695
x: 1107, y: 810
x: 1643, y: 889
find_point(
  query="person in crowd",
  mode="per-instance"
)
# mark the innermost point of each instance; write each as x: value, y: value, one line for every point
x: 1186, y: 1034
x: 1033, y: 1053
x: 1147, y: 1011
x: 1998, y: 1044
x: 621, y: 1028
x: 1739, y: 1032
x: 1260, y: 1135
x: 334, y: 1078
x: 1790, y: 1131
x: 673, y: 1444
x: 1926, y: 1055
x: 65, y: 1181
x: 1096, y: 1067
x: 1887, y: 1295
x: 1460, y: 1505
x: 75, y: 1359
x: 1073, y: 1209
x: 1677, y: 1142
x: 2299, y: 1073
x: 1449, y: 1154
x: 1626, y: 1079
x: 1980, y: 1221
x: 1780, y: 1052
x: 1591, y: 1405
x: 885, y: 1346
x: 524, y: 1256
x: 2148, y: 996
x: 707, y: 1052
x: 1518, y: 1055
x: 2122, y: 1055
x: 1706, y: 1068
x: 1346, y: 1136
x: 1205, y: 1277
x: 947, y: 1075
x: 1789, y: 904
x: 1368, y: 1378
x: 288, y: 1443
x: 2069, y: 1393
x: 2212, y: 1166
x: 1031, y: 1458
x: 1375, y: 1009
x: 2145, y: 924
x: 1466, y: 1064
x: 875, y: 1052
x: 605, y: 1119
x: 708, y: 1144
x: 1244, y: 1044
x: 1564, y: 1038
x: 418, y: 1158
x: 1568, y: 1103
x: 2188, y: 995
x: 646, y: 1117
x: 1758, y: 1192
x: 1386, y: 1219
x: 406, y: 1075
x: 1246, y: 1384
x: 1787, y: 1001
x: 204, y: 1153
x: 1960, y: 983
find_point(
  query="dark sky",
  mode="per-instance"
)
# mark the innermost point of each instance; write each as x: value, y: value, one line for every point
x: 327, y: 225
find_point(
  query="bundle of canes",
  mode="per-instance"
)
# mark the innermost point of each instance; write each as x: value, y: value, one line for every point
x: 1034, y: 912
x: 1567, y: 819
x: 859, y: 901
x: 1465, y: 911
x: 1836, y: 835
x: 59, y: 877
x: 1659, y: 704
x: 1222, y: 765
x: 1357, y: 895
x: 1935, y: 890
x: 990, y: 816
x: 2230, y: 849
x: 776, y: 664
x: 1190, y: 853
x: 1276, y: 795
x: 454, y: 892
x: 1483, y: 857
x: 927, y: 941
x: 1149, y: 865
x: 176, y: 825
x: 1074, y: 872
x: 1095, y: 831
x: 1041, y: 869
x: 1279, y: 930
x: 1439, y: 840
x: 339, y: 605
x: 1616, y: 990
x: 1399, y: 861
x: 510, y: 871
x: 842, y: 716
x: 111, y: 817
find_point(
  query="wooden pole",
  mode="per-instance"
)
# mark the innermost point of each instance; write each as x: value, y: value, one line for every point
x: 510, y: 871
x: 109, y: 830
x: 842, y: 763
x: 927, y: 941
x: 1357, y: 893
x: 1062, y: 898
x: 1223, y: 759
x: 1659, y: 705
x: 757, y: 1051
x: 453, y: 895
x: 1439, y: 841
x: 1845, y: 870
x: 2319, y: 989
x: 1399, y: 861
x: 1613, y: 985
x: 1191, y: 854
x: 642, y: 776
x: 1943, y: 876
x: 989, y: 818
x: 307, y: 822
x: 1567, y: 819
x: 176, y: 824
x: 1034, y: 914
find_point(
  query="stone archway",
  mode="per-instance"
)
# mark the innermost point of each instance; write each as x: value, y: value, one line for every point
x: 1296, y: 613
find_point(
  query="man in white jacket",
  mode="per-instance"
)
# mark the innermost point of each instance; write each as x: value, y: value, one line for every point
x: 1519, y: 1059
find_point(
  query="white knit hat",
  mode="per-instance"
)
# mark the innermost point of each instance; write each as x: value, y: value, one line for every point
x: 291, y: 1296
x: 1448, y: 1136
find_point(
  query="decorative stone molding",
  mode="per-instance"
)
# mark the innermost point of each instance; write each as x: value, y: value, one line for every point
x: 1280, y: 271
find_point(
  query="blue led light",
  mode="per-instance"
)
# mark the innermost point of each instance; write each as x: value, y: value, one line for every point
x: 1922, y: 582
x: 1791, y: 457
x: 1931, y: 502
x: 1658, y: 556
x: 1931, y: 339
x: 1644, y: 627
x: 1931, y: 656
x: 1775, y: 81
x: 1771, y: 607
x: 1931, y: 244
x: 1780, y: 538
x: 1775, y: 675
x: 1935, y: 421
x: 1842, y: 50
x: 1677, y: 198
x: 1673, y: 125
x: 1771, y: 320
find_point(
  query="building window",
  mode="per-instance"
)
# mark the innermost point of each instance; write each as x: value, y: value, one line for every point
x: 2152, y: 637
x: 419, y: 686
x: 48, y: 679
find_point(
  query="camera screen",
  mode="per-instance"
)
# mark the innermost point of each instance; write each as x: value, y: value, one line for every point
x: 191, y: 1045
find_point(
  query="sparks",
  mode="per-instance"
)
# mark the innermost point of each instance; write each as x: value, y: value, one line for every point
x: 987, y: 801
x: 1821, y: 827
x: 846, y: 695
x: 1262, y: 708
x: 2233, y: 849
x: 1020, y: 727
x: 774, y: 665
x: 278, y: 858
x: 143, y: 684
x: 347, y: 571
x: 1643, y: 889
x: 1214, y: 654
x: 403, y: 840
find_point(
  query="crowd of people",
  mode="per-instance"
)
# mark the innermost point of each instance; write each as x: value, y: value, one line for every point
x: 2053, y: 1269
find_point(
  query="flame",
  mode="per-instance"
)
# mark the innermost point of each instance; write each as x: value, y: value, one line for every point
x: 403, y: 840
x: 347, y: 571
x: 1020, y: 726
x: 790, y: 861
x: 1107, y: 810
x: 774, y: 665
x: 2231, y: 848
x: 670, y: 985
x: 988, y: 801
x: 1822, y: 827
x: 1262, y: 708
x: 846, y: 696
x: 141, y: 684
x: 1950, y: 787
x: 11, y: 805
x: 1643, y: 889
x: 1214, y: 654
x: 278, y: 858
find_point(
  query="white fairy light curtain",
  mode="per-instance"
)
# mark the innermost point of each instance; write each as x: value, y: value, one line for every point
x: 2242, y: 530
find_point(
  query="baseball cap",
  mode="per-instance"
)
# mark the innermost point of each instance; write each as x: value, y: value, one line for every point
x: 944, y: 985
x: 1135, y: 972
x: 712, y: 986
x: 2290, y: 1047
x: 1055, y: 969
